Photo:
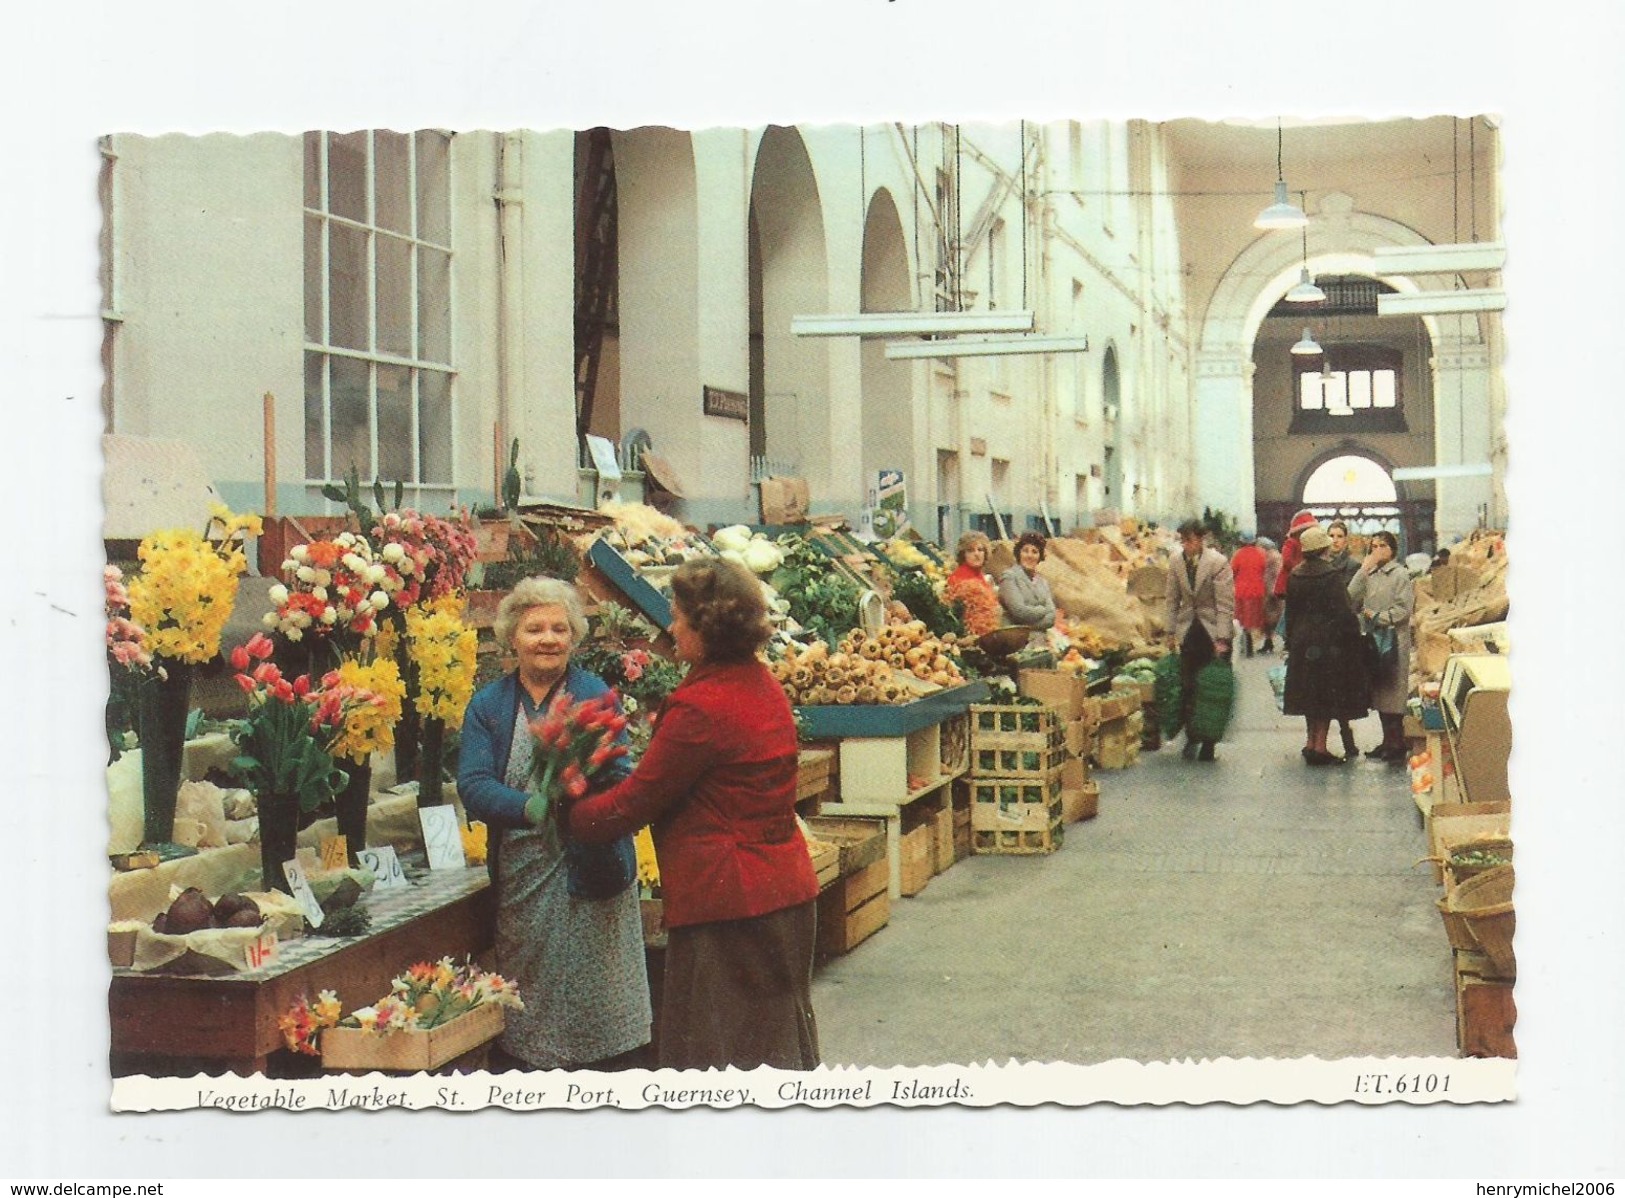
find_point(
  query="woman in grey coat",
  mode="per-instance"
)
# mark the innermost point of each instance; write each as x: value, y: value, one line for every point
x: 1385, y: 597
x: 1024, y: 593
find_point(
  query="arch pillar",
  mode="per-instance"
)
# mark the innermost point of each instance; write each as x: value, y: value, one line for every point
x: 1222, y: 430
x: 1463, y: 433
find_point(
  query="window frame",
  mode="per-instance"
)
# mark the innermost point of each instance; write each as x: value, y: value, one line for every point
x: 423, y: 374
x: 1344, y: 359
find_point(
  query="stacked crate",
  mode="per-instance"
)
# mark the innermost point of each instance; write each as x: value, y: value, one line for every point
x: 1018, y: 755
x: 856, y: 904
x: 1117, y: 737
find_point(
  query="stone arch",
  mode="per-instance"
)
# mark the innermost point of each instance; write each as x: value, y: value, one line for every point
x: 888, y: 413
x: 1341, y: 240
x: 788, y: 266
x: 657, y: 227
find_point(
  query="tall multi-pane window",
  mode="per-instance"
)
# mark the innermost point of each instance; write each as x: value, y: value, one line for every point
x: 378, y: 352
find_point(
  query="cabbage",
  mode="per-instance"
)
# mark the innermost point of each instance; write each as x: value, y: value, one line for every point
x: 735, y: 537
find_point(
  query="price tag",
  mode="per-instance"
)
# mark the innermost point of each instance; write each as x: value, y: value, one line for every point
x: 442, y: 838
x: 263, y: 950
x: 299, y: 887
x: 385, y: 866
x: 335, y: 853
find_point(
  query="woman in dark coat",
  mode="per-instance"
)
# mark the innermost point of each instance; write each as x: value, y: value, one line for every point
x: 1325, y: 668
x: 1340, y: 558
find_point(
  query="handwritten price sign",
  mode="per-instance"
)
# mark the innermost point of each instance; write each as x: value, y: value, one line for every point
x: 385, y: 866
x: 299, y: 885
x: 262, y: 951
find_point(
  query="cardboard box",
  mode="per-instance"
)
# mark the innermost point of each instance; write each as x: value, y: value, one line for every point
x: 784, y: 500
x: 1485, y: 1012
x: 1063, y: 690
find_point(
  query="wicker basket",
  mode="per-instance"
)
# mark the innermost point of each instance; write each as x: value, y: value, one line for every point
x: 1478, y: 917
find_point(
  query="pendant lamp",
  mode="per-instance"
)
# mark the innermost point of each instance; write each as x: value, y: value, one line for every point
x: 1305, y: 292
x: 1283, y: 214
x: 1306, y: 346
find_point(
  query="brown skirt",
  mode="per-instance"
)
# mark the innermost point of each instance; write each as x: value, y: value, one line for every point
x: 739, y: 992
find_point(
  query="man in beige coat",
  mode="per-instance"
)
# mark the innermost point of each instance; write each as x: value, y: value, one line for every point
x: 1201, y: 615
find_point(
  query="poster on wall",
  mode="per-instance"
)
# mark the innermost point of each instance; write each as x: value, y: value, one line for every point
x: 890, y: 503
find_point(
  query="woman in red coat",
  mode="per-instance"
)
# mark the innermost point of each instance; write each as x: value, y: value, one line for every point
x: 717, y: 785
x: 1247, y: 568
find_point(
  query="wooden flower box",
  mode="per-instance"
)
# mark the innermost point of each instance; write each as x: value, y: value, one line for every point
x: 411, y: 1051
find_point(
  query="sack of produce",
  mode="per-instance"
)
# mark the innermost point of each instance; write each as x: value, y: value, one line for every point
x: 1169, y: 694
x: 1215, y: 700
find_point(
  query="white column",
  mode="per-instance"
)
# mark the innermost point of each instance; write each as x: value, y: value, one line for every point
x: 1222, y: 432
x: 1462, y: 435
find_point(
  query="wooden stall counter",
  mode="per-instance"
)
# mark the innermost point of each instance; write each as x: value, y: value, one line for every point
x: 172, y: 1024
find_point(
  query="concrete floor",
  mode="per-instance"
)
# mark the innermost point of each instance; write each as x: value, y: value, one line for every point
x: 1251, y: 908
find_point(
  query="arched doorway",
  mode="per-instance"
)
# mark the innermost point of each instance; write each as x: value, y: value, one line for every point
x: 1354, y: 484
x: 787, y: 264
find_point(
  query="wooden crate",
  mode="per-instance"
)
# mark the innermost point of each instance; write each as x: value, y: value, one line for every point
x: 815, y: 771
x: 1080, y: 737
x: 1485, y: 1011
x: 1015, y: 740
x: 862, y: 841
x: 1032, y: 842
x: 826, y: 863
x: 1117, y: 744
x: 1063, y: 690
x: 1016, y: 815
x: 1081, y: 802
x: 411, y: 1051
x: 942, y: 838
x: 854, y: 908
x: 917, y: 858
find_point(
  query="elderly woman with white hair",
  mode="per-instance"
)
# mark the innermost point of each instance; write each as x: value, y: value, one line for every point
x: 568, y: 928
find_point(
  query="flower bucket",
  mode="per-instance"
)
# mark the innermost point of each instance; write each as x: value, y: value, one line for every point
x: 163, y: 706
x: 351, y: 803
x: 279, y: 838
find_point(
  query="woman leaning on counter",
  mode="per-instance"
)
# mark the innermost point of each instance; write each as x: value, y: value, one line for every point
x: 717, y: 785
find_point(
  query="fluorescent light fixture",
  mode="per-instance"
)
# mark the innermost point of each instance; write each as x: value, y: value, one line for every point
x: 906, y: 324
x: 1305, y: 292
x: 1438, y: 259
x: 1466, y: 470
x: 1283, y: 214
x: 1440, y: 303
x: 1308, y: 345
x: 986, y: 347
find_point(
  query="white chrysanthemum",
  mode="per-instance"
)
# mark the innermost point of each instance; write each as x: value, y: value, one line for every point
x: 300, y: 619
x: 379, y: 601
x: 319, y: 594
x: 355, y: 563
x: 298, y: 555
x: 271, y: 619
x: 279, y: 594
x: 305, y: 574
x: 393, y: 552
x: 375, y: 574
x: 330, y: 617
x: 323, y: 578
x: 293, y: 634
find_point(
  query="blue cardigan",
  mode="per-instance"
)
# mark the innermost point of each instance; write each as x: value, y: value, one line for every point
x: 595, y: 871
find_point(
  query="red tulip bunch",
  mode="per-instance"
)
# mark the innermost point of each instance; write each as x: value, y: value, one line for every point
x: 575, y: 744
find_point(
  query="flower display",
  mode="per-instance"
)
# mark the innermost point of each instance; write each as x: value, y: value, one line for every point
x: 476, y: 842
x: 575, y: 743
x: 433, y: 554
x: 334, y: 586
x: 305, y: 1021
x: 126, y: 640
x: 982, y: 613
x: 442, y: 647
x: 286, y: 740
x: 369, y: 726
x: 187, y: 586
x: 426, y: 996
x: 648, y: 865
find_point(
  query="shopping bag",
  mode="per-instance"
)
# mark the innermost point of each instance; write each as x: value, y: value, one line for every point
x: 1215, y: 700
x: 1168, y: 691
x: 1278, y: 685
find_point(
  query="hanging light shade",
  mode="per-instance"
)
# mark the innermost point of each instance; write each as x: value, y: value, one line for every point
x: 1305, y: 292
x: 1306, y: 346
x: 1283, y: 214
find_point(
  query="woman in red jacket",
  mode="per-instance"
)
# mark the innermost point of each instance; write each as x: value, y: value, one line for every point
x: 717, y: 785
